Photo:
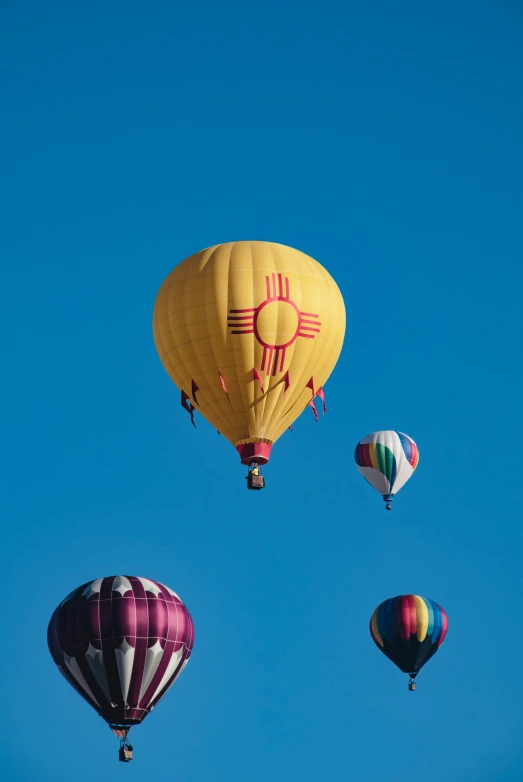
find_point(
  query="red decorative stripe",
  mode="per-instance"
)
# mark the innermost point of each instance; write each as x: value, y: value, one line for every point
x: 413, y: 614
x: 445, y: 626
x: 403, y: 618
x: 258, y: 378
x: 286, y: 383
x: 364, y: 455
x: 321, y: 395
x: 407, y: 619
x: 274, y: 366
x: 269, y: 360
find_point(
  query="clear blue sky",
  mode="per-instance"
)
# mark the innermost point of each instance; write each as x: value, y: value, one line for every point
x: 385, y: 140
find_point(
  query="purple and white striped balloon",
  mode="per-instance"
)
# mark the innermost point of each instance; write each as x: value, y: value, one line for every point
x: 121, y: 642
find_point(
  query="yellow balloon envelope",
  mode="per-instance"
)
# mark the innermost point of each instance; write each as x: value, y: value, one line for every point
x: 249, y: 332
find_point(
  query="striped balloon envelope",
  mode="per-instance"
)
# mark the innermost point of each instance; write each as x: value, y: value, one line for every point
x: 409, y: 630
x: 121, y: 642
x: 387, y: 460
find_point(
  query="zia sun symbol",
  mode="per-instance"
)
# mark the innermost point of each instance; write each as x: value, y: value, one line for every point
x: 258, y: 320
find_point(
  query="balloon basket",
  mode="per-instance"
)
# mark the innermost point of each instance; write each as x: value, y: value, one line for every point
x: 255, y: 482
x: 125, y: 755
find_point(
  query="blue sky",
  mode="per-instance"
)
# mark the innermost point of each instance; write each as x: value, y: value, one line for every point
x: 385, y: 141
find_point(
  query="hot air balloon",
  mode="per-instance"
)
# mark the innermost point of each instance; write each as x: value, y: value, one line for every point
x: 249, y: 332
x: 387, y: 460
x: 121, y: 642
x: 409, y: 630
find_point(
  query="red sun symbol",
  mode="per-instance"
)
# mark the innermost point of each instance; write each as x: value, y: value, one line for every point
x: 256, y: 319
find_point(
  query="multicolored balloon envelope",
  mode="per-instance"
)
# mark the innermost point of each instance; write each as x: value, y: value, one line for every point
x: 121, y: 642
x: 409, y: 630
x: 249, y: 332
x: 387, y: 460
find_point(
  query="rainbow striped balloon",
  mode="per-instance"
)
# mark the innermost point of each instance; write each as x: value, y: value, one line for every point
x: 409, y: 630
x: 387, y: 460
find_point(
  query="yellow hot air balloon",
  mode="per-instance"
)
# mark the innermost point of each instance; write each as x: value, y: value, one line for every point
x: 249, y: 332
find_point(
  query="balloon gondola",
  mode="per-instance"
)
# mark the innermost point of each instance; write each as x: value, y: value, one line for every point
x: 249, y: 332
x: 121, y: 642
x: 255, y: 479
x: 387, y: 460
x: 409, y: 630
